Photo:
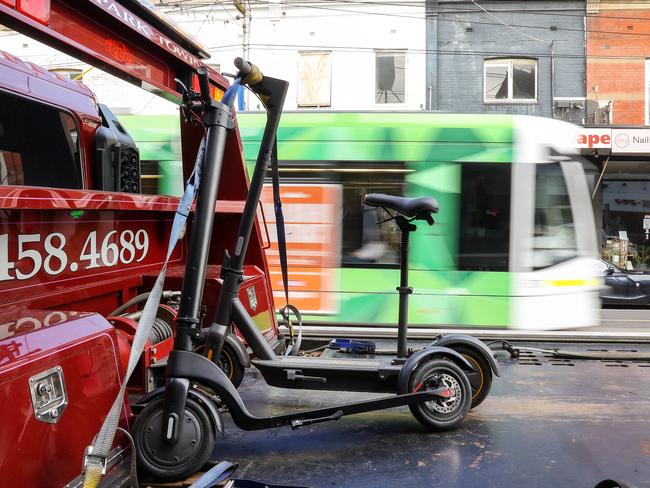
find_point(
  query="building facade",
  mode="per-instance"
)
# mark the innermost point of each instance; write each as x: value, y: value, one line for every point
x: 618, y: 52
x: 618, y: 76
x: 339, y: 56
x: 520, y: 57
x: 335, y: 55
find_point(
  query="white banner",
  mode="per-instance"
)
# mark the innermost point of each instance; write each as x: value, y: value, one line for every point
x: 625, y: 141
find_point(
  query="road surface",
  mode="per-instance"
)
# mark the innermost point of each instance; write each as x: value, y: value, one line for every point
x: 547, y: 423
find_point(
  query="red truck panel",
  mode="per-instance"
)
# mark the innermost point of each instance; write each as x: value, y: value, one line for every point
x: 34, y: 453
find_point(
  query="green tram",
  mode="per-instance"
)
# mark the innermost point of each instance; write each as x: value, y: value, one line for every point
x: 513, y: 245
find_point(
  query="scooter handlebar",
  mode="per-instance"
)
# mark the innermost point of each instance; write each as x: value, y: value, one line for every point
x: 248, y: 72
x: 204, y: 83
x: 243, y: 66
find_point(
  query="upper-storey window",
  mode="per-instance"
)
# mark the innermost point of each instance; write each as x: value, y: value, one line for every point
x: 510, y: 80
x: 39, y: 145
x: 390, y: 77
x: 314, y: 79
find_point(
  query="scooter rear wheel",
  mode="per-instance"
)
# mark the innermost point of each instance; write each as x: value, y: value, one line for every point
x: 481, y: 378
x: 172, y: 462
x: 441, y: 415
x: 229, y: 363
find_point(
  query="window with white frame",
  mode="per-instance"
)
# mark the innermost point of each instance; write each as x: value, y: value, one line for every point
x: 314, y: 79
x: 390, y: 77
x: 510, y: 80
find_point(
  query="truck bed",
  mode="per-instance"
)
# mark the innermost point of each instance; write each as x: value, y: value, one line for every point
x: 547, y: 423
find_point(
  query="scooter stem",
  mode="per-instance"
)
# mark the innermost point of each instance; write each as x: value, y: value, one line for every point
x: 272, y: 92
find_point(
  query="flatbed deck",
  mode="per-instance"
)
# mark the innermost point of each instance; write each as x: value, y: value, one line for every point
x: 547, y: 423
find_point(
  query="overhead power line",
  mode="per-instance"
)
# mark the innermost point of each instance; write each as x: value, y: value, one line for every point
x: 280, y: 47
x: 465, y: 21
x: 509, y: 26
x: 556, y: 12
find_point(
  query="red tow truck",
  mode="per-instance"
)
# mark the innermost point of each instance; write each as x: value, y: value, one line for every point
x: 80, y: 246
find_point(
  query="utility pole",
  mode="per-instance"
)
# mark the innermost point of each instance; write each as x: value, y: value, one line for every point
x: 246, y: 32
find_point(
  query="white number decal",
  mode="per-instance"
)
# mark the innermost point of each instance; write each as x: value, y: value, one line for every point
x: 92, y: 255
x: 126, y: 241
x: 142, y: 243
x: 5, y: 264
x: 52, y: 258
x: 55, y: 252
x: 107, y: 246
x: 32, y: 254
x: 50, y: 318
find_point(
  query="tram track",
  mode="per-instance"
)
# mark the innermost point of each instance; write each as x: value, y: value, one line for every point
x: 617, y: 326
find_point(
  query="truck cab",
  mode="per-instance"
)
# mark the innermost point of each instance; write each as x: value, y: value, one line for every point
x: 80, y: 245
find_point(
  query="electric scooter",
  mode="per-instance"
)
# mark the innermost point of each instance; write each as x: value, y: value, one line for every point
x: 175, y: 431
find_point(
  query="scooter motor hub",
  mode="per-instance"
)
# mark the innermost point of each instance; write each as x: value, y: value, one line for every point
x: 181, y: 452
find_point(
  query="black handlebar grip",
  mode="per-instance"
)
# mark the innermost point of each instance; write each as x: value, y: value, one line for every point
x: 248, y: 72
x: 204, y: 83
x: 243, y: 66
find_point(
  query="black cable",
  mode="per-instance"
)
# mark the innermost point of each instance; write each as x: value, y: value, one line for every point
x: 420, y: 17
x: 495, y: 54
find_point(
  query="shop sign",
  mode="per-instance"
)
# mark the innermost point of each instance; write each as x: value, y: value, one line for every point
x: 625, y: 141
x: 594, y: 138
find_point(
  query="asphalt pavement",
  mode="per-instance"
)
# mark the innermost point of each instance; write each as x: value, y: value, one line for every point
x: 547, y: 423
x: 627, y: 320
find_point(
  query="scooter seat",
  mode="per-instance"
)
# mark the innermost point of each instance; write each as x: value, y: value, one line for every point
x: 418, y: 207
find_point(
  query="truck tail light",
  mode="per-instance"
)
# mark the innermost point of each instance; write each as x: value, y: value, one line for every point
x: 11, y: 3
x: 36, y: 9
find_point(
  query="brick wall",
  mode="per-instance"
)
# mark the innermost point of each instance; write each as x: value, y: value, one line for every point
x: 618, y: 44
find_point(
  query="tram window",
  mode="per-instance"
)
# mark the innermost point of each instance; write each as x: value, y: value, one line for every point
x: 484, y: 234
x: 364, y: 243
x: 150, y: 178
x: 554, y: 238
x: 30, y: 133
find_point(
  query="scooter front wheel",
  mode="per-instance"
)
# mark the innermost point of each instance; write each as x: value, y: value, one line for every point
x: 443, y: 414
x: 171, y: 462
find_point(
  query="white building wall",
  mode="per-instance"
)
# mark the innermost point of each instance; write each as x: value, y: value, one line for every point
x: 350, y: 32
x: 278, y: 33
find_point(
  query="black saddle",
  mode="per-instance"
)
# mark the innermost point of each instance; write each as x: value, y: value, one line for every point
x: 419, y: 208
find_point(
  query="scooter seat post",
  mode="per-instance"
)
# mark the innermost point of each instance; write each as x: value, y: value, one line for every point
x: 403, y: 289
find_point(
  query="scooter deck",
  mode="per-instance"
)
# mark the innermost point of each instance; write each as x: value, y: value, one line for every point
x: 347, y: 373
x: 330, y: 362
